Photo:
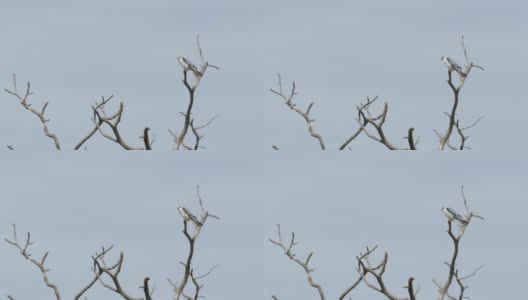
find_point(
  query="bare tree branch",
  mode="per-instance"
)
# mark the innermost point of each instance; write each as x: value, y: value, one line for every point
x: 304, y: 264
x: 112, y: 271
x: 365, y: 268
x: 443, y: 289
x: 40, y: 264
x: 365, y: 117
x: 146, y: 140
x: 40, y: 114
x: 352, y: 137
x: 410, y: 139
x: 97, y: 273
x: 463, y: 136
x: 456, y: 88
x: 97, y: 125
x: 100, y: 118
x: 191, y: 88
x: 179, y: 288
x: 304, y: 114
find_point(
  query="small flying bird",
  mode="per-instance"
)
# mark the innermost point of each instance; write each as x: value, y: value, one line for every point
x: 452, y: 215
x: 188, y: 216
x: 187, y: 65
x: 453, y: 66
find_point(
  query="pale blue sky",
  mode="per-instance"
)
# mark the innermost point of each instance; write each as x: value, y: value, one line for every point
x: 337, y: 205
x: 338, y: 51
x: 74, y: 206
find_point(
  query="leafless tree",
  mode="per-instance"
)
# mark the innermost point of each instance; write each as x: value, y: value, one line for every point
x: 107, y: 274
x: 456, y: 236
x: 107, y: 123
x: 371, y: 274
x: 372, y: 124
x: 454, y: 122
x: 179, y: 139
x: 179, y: 288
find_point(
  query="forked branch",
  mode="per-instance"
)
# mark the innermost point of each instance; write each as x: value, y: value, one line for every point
x: 192, y: 236
x: 456, y: 236
x: 287, y: 248
x: 23, y: 248
x: 101, y: 118
x: 198, y: 73
x: 40, y: 114
x: 365, y: 268
x: 365, y: 118
x: 288, y: 251
x: 456, y: 87
x: 101, y: 267
x: 288, y: 100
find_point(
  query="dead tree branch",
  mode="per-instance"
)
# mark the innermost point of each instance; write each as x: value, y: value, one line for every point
x: 146, y: 139
x: 23, y: 248
x: 96, y: 277
x: 287, y: 248
x: 365, y: 118
x: 456, y: 88
x: 40, y: 114
x: 191, y: 89
x: 101, y: 118
x: 96, y: 125
x: 365, y: 268
x: 304, y: 264
x: 443, y: 289
x: 101, y: 267
x: 304, y: 114
x: 352, y: 137
x: 179, y: 288
x: 41, y: 265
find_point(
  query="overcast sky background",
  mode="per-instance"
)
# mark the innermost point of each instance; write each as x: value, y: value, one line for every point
x: 338, y: 52
x: 74, y: 206
x: 336, y: 205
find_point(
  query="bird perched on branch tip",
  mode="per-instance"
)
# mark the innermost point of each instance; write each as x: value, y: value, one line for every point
x: 188, y: 216
x: 187, y: 65
x: 453, y: 66
x: 452, y: 215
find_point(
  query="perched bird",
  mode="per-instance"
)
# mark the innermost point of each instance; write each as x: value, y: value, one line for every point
x: 188, y: 216
x: 453, y: 66
x: 452, y: 215
x: 187, y: 65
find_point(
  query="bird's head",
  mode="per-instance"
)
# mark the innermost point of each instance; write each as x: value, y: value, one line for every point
x: 443, y: 58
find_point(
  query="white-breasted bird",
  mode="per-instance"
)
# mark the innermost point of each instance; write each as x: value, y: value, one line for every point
x: 453, y: 66
x: 452, y: 215
x: 187, y: 65
x: 188, y: 216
